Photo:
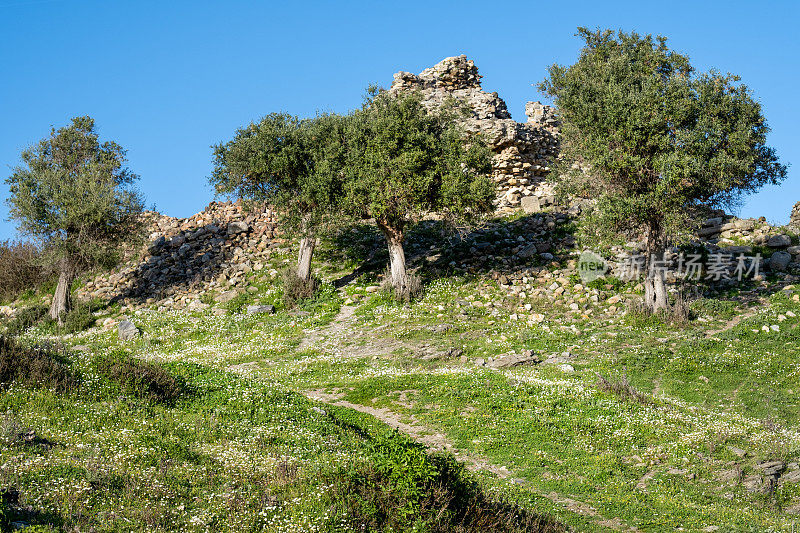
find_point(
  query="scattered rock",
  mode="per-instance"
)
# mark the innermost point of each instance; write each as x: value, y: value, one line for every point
x: 514, y: 359
x: 779, y: 261
x: 779, y: 241
x: 753, y: 483
x: 772, y: 468
x: 791, y: 477
x: 127, y: 331
x: 237, y: 227
x: 226, y: 296
x: 258, y: 309
x: 737, y: 451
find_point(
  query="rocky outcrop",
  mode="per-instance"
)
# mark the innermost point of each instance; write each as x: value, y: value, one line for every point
x: 794, y: 217
x: 523, y: 152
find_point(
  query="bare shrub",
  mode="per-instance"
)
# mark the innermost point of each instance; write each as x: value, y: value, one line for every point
x: 622, y: 388
x: 676, y: 314
x: 20, y: 268
x: 411, y: 290
x: 33, y: 367
x: 296, y: 288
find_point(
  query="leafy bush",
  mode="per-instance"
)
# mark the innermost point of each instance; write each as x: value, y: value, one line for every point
x: 79, y: 318
x: 33, y: 367
x: 142, y: 379
x: 722, y: 309
x: 296, y: 288
x: 20, y: 268
x: 401, y: 488
x: 609, y: 283
x: 25, y: 318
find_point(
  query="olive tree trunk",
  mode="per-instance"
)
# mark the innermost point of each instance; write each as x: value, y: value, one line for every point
x: 397, y: 257
x: 62, y: 302
x: 307, y: 245
x: 655, y: 285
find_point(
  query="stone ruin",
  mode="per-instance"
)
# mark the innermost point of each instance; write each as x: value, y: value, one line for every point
x: 211, y: 251
x: 794, y: 217
x: 523, y: 152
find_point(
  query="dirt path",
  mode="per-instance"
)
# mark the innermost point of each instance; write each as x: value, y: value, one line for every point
x: 344, y: 336
x: 340, y: 325
x: 736, y: 320
x: 439, y: 442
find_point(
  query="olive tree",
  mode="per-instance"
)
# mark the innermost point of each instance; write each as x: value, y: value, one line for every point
x: 403, y: 162
x: 653, y: 140
x: 74, y: 195
x: 293, y: 165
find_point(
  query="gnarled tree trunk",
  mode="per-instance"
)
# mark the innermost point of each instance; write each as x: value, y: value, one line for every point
x: 655, y: 286
x: 397, y: 257
x: 62, y: 301
x: 307, y: 245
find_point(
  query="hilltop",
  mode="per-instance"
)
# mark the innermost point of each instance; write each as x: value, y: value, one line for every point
x: 564, y: 406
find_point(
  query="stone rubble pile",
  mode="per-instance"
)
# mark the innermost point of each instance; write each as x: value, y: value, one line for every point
x: 211, y: 251
x: 523, y: 152
x: 735, y: 236
x: 794, y: 217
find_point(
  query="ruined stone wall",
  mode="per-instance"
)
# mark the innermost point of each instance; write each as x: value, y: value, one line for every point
x: 210, y: 251
x: 523, y: 152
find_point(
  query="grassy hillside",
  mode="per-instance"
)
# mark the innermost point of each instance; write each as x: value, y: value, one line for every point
x: 108, y: 443
x: 627, y: 421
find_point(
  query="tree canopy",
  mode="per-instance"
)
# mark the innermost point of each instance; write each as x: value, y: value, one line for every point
x: 74, y: 194
x: 652, y: 139
x: 403, y: 161
x: 291, y: 164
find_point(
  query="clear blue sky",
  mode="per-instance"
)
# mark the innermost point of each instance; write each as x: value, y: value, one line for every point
x: 168, y: 79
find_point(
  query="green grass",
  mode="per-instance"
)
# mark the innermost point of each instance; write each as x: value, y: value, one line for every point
x: 718, y: 382
x: 230, y: 455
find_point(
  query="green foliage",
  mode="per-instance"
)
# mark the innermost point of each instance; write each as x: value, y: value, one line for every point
x: 715, y: 308
x: 289, y: 163
x: 402, y: 160
x: 25, y: 318
x: 651, y: 139
x: 79, y: 318
x: 403, y: 488
x: 142, y: 379
x: 33, y: 367
x: 74, y: 193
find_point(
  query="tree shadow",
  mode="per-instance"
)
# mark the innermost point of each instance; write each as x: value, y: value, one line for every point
x: 503, y: 245
x: 188, y: 260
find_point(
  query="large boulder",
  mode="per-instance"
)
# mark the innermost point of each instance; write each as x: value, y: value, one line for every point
x: 126, y: 331
x: 531, y: 204
x: 259, y: 309
x: 237, y: 227
x: 514, y: 359
x: 779, y: 261
x: 226, y: 296
x: 779, y: 241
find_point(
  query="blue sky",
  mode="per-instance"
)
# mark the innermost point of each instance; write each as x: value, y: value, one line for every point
x: 169, y: 79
